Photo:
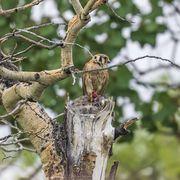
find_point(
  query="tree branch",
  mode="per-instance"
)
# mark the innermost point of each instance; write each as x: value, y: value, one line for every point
x: 77, y: 6
x: 158, y: 84
x: 132, y: 61
x: 122, y: 129
x: 89, y: 6
x: 112, y: 175
x: 98, y: 3
x: 44, y: 77
x: 14, y: 111
x: 20, y: 8
x: 74, y: 26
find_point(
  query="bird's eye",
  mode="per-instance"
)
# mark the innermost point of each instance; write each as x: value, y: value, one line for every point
x: 95, y: 57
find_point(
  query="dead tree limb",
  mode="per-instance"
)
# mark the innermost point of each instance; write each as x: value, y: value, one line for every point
x: 112, y: 174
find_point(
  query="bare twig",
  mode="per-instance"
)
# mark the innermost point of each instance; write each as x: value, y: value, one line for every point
x: 28, y: 30
x: 86, y: 49
x: 38, y: 43
x: 16, y: 141
x: 20, y: 8
x: 17, y: 33
x: 14, y: 111
x: 158, y: 84
x: 153, y: 69
x: 59, y: 115
x: 122, y: 129
x: 5, y: 138
x: 24, y: 51
x: 151, y: 57
x: 112, y: 174
x: 98, y: 3
x: 8, y: 124
x: 118, y: 16
x: 44, y: 25
x: 77, y: 6
x: 132, y: 61
x: 21, y: 148
x: 36, y: 35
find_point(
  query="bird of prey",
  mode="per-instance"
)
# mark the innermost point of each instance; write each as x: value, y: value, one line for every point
x: 94, y: 82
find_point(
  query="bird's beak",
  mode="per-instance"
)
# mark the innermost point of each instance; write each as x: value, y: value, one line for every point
x: 109, y: 61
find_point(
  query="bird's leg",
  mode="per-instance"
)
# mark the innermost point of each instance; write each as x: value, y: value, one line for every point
x: 92, y: 96
x: 96, y: 98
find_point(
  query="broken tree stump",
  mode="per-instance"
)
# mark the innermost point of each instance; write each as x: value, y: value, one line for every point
x: 89, y: 136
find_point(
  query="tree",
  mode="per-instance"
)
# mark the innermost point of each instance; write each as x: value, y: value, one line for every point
x: 21, y: 90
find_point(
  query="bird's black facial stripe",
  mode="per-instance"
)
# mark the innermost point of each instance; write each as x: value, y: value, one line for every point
x: 100, y: 59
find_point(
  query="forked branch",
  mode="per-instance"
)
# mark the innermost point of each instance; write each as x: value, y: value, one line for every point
x: 74, y: 27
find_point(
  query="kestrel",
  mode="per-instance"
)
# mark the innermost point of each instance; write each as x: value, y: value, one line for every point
x: 94, y: 82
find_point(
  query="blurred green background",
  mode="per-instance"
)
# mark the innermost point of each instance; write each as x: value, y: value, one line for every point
x: 151, y: 150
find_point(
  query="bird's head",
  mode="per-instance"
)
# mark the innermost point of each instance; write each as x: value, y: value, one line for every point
x: 101, y: 59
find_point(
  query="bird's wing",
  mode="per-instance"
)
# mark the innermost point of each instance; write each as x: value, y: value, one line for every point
x: 86, y: 80
x: 105, y: 79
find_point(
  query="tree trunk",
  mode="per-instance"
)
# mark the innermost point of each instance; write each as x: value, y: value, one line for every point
x: 89, y: 136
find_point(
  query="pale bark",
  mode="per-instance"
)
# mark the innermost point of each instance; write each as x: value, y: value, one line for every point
x: 43, y: 77
x: 90, y: 137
